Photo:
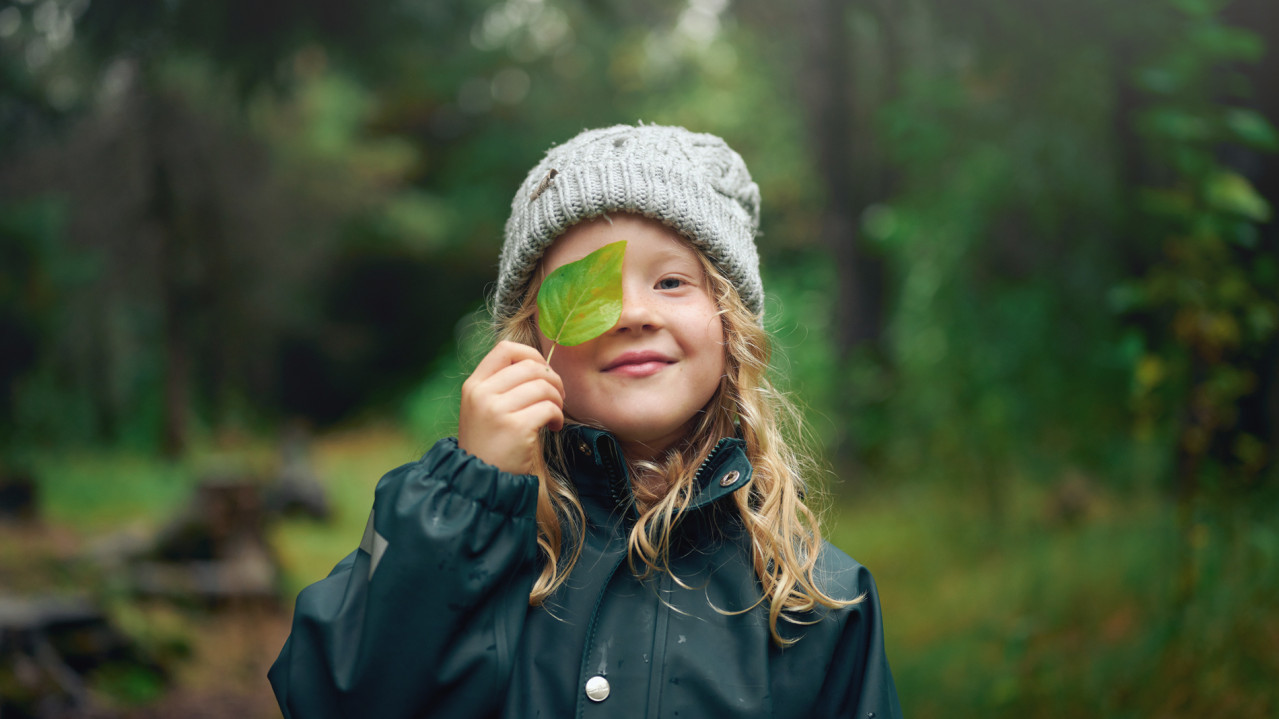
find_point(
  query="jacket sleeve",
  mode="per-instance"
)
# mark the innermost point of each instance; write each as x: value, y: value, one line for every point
x: 859, y: 684
x: 423, y: 618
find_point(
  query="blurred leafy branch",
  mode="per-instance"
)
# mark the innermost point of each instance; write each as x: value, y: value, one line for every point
x: 1213, y: 288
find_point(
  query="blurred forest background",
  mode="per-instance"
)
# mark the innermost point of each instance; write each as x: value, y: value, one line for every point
x: 1022, y: 264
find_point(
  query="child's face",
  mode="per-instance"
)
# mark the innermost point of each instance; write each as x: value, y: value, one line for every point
x: 648, y: 377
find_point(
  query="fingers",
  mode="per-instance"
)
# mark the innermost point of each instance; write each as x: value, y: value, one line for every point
x: 504, y: 354
x: 524, y: 371
x: 507, y: 366
x: 526, y: 394
x: 543, y: 414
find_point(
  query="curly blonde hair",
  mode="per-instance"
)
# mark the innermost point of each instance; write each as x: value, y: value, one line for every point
x: 784, y: 531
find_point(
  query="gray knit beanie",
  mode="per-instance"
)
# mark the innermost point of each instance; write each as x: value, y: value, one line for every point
x: 693, y: 182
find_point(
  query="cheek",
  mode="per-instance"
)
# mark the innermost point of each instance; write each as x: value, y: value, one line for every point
x: 570, y: 364
x: 719, y: 337
x: 716, y: 329
x: 712, y: 340
x: 714, y: 335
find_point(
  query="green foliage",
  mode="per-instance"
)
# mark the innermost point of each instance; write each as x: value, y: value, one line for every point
x: 1000, y: 246
x: 1053, y: 616
x: 582, y: 300
x: 797, y: 317
x: 431, y: 409
x: 37, y: 269
x: 129, y: 684
x: 1214, y: 285
x: 96, y: 490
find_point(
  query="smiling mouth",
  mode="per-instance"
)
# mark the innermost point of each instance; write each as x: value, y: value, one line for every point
x: 638, y: 364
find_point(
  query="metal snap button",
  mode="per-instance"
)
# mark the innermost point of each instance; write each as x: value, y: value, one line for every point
x: 729, y: 478
x: 597, y: 689
x: 582, y: 447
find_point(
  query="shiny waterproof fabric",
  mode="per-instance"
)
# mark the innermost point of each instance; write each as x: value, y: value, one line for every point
x: 430, y: 617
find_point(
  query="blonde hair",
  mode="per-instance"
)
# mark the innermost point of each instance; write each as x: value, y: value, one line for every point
x: 784, y: 532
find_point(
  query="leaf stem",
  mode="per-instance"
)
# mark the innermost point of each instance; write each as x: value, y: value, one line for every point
x: 548, y: 354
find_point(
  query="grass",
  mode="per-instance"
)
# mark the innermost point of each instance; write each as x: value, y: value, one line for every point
x: 1116, y: 613
x: 1031, y: 618
x: 350, y: 465
x: 95, y: 491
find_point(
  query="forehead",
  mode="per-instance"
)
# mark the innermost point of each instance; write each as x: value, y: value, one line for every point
x: 647, y: 239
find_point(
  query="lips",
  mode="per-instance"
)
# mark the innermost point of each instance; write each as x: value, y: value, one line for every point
x: 639, y: 363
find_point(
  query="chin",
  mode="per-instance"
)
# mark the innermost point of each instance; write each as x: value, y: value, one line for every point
x: 649, y: 434
x: 631, y: 432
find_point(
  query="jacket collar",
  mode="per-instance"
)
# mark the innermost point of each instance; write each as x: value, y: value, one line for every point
x: 595, y: 464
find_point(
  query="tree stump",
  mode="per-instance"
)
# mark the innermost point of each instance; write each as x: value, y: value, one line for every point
x: 18, y: 496
x: 215, y: 551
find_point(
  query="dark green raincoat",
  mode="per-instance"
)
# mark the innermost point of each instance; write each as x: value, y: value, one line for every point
x: 430, y: 617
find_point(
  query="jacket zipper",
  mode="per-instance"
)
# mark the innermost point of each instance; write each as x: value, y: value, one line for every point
x: 697, y: 476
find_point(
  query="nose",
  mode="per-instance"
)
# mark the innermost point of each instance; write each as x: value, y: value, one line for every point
x: 638, y: 312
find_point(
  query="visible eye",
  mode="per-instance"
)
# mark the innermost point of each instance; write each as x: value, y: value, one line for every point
x: 670, y: 283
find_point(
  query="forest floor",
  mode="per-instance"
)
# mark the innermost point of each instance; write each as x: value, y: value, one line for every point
x: 189, y: 658
x: 215, y: 658
x: 1069, y: 598
x: 225, y: 675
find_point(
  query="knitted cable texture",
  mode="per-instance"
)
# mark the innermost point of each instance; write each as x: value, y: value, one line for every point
x: 693, y: 182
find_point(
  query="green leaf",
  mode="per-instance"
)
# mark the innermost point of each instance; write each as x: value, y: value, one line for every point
x: 1160, y: 80
x: 1253, y: 128
x: 582, y: 300
x: 1231, y: 192
x: 1196, y: 8
x: 1222, y: 42
x: 1169, y: 123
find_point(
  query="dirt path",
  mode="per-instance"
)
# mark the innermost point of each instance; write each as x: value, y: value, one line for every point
x: 225, y: 676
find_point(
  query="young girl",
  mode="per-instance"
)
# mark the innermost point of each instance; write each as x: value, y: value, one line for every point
x: 621, y: 533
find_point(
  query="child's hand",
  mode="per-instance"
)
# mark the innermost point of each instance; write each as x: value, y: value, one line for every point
x: 509, y: 397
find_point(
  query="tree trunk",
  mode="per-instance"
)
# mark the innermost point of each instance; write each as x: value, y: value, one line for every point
x: 840, y: 108
x: 175, y: 295
x: 842, y: 139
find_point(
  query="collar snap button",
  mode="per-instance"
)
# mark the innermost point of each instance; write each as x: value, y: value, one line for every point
x: 582, y: 447
x: 729, y: 478
x: 597, y: 689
